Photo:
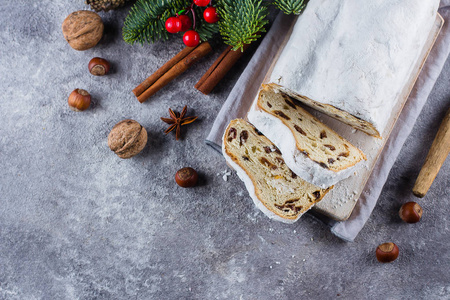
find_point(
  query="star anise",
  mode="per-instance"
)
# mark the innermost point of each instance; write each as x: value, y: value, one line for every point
x: 177, y: 120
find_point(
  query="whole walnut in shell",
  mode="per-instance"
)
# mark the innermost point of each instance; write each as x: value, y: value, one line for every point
x: 83, y: 29
x: 127, y: 138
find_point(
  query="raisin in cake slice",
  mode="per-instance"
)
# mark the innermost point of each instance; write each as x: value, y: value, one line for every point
x: 311, y: 149
x: 274, y: 188
x: 351, y: 59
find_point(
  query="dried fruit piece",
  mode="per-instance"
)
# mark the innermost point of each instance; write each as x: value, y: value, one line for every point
x: 266, y: 162
x: 232, y: 134
x: 243, y: 137
x: 288, y: 102
x: 281, y: 114
x: 298, y: 128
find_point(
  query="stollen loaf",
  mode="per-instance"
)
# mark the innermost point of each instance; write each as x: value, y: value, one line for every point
x: 277, y: 191
x: 311, y: 149
x: 351, y: 59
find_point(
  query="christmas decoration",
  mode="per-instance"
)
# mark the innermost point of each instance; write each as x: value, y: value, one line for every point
x: 202, y: 2
x: 191, y: 38
x: 146, y: 21
x: 239, y: 23
x: 186, y: 22
x: 210, y: 15
x: 173, y: 24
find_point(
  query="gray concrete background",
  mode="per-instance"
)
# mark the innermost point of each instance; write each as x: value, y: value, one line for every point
x: 77, y: 222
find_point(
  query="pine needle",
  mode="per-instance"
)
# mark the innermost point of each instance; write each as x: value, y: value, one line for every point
x: 241, y: 21
x: 290, y: 6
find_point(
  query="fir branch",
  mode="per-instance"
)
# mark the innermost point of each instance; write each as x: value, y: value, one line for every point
x: 146, y: 21
x: 241, y: 21
x: 290, y: 6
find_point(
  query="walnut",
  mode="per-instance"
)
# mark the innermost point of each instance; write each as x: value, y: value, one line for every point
x: 83, y: 29
x: 127, y: 138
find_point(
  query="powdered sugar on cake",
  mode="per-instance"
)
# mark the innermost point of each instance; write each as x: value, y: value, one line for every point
x: 355, y: 55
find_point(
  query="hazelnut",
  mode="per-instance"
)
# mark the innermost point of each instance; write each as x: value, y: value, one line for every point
x: 79, y: 100
x: 186, y: 177
x: 83, y: 29
x: 127, y: 138
x: 410, y: 212
x: 387, y: 252
x: 98, y: 66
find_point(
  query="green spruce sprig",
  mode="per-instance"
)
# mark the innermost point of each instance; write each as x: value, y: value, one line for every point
x: 290, y: 6
x: 241, y: 21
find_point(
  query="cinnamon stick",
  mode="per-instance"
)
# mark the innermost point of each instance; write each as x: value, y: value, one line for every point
x: 219, y: 69
x: 161, y: 71
x: 175, y: 70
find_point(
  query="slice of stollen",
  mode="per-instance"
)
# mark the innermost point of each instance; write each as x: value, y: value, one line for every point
x: 275, y: 189
x: 311, y: 149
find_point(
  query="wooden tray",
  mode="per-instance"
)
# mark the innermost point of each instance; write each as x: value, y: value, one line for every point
x: 339, y: 203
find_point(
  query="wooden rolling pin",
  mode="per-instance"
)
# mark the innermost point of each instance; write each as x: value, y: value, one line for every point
x: 435, y: 158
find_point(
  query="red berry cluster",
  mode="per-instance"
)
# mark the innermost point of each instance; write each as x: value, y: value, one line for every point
x: 182, y: 22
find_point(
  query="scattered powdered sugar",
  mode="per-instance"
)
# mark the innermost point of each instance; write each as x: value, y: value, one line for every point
x: 225, y: 174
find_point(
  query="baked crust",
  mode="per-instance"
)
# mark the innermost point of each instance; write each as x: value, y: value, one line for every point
x: 333, y: 111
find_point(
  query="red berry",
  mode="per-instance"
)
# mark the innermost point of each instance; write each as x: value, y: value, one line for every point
x: 173, y: 24
x: 191, y: 38
x: 210, y: 15
x: 186, y: 22
x: 202, y: 2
